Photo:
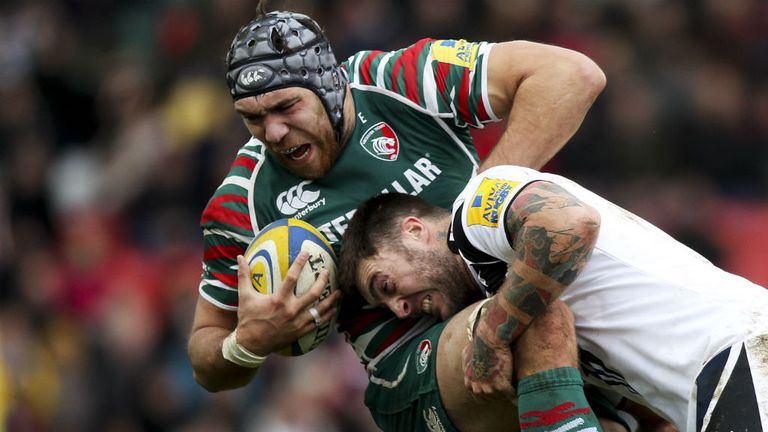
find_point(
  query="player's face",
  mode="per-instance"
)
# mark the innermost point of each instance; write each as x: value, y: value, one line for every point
x: 293, y: 123
x: 415, y: 282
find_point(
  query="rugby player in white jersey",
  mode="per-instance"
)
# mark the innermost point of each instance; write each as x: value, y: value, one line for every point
x: 655, y: 322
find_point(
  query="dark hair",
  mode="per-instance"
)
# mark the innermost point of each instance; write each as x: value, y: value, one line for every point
x: 375, y: 222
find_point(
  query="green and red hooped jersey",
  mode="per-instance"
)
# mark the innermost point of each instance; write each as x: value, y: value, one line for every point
x: 413, y: 108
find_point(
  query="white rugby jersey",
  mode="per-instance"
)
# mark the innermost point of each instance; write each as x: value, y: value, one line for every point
x: 649, y: 311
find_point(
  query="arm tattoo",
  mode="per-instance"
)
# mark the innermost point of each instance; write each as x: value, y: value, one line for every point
x: 484, y: 361
x: 553, y: 235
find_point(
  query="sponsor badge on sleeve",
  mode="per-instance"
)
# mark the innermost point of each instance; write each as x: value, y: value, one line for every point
x: 488, y: 201
x: 456, y: 52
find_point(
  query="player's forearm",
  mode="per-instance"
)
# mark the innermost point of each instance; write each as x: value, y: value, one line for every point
x: 546, y: 105
x: 210, y: 369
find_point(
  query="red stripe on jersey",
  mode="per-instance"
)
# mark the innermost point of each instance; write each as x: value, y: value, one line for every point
x: 219, y: 252
x: 245, y: 162
x: 482, y: 114
x: 396, y: 334
x: 229, y: 279
x: 442, y: 73
x: 395, y: 70
x: 464, y: 97
x: 409, y: 59
x: 215, y: 211
x: 359, y: 321
x: 365, y: 68
x: 411, y: 83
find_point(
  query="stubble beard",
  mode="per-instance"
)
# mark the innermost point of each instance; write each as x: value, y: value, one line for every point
x: 440, y: 270
x: 328, y: 151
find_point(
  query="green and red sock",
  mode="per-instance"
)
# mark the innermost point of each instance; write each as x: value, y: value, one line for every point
x: 554, y: 401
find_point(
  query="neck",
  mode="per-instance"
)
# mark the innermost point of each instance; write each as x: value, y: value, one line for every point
x: 443, y: 223
x: 443, y: 227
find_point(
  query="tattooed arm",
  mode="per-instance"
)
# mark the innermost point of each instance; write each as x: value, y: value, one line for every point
x: 552, y: 234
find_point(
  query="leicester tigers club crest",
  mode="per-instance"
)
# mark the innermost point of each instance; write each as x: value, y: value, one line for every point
x: 381, y: 142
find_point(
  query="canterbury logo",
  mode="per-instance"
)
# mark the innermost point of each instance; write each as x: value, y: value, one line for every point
x: 253, y: 77
x: 296, y: 198
x: 432, y: 420
x: 250, y: 77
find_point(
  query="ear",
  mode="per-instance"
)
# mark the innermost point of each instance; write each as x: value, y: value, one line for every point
x: 413, y: 228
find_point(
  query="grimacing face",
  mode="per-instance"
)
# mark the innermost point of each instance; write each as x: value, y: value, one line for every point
x: 416, y: 282
x: 295, y: 127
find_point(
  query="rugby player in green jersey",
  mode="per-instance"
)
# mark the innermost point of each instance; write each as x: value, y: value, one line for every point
x: 327, y: 136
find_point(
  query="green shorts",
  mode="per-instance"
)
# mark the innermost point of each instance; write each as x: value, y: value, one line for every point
x: 402, y: 394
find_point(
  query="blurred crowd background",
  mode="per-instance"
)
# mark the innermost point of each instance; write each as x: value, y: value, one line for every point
x: 116, y: 126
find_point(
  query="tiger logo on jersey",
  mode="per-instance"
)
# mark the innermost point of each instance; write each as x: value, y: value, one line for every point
x: 488, y: 201
x: 455, y: 52
x: 380, y: 141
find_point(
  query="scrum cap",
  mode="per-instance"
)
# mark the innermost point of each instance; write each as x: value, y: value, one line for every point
x: 286, y: 49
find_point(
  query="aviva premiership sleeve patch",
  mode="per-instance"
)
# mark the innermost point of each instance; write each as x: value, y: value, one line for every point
x: 488, y: 201
x: 456, y: 52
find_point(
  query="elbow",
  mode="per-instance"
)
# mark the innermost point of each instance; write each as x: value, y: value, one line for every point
x: 208, y: 385
x: 214, y: 383
x: 202, y: 378
x: 583, y: 75
x: 583, y: 224
x: 589, y: 227
x: 589, y: 76
x: 215, y: 380
x: 211, y: 374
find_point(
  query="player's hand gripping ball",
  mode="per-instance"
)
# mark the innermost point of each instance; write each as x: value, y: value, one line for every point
x: 273, y: 251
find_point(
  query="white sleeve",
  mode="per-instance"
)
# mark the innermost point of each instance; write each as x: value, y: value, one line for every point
x: 483, y: 205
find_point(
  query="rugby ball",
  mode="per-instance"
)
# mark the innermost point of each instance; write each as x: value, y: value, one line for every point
x: 272, y: 252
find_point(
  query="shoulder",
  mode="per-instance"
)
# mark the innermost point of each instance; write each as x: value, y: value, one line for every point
x: 229, y: 203
x: 363, y: 65
x: 444, y: 77
x: 246, y: 159
x: 494, y: 181
x: 478, y: 212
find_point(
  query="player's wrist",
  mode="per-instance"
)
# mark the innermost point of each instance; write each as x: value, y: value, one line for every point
x: 238, y: 354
